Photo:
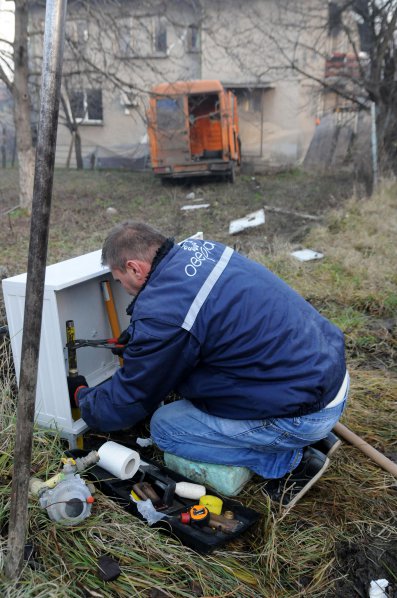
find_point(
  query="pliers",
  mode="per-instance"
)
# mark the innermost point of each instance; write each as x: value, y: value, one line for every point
x: 103, y: 343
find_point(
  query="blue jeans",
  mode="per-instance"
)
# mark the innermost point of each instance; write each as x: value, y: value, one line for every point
x: 269, y: 447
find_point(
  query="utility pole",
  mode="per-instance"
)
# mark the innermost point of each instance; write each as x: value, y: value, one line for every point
x: 41, y: 207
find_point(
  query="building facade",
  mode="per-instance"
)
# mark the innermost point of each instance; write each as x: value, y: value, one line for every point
x: 115, y: 52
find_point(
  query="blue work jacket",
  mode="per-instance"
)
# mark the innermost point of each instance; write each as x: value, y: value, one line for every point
x: 227, y: 334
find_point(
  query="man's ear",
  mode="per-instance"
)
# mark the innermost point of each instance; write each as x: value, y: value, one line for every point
x: 137, y: 267
x: 132, y: 266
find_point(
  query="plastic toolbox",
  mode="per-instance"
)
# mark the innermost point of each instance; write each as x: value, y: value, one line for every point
x: 161, y: 479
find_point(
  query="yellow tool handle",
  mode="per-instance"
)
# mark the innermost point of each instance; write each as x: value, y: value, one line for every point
x: 111, y: 310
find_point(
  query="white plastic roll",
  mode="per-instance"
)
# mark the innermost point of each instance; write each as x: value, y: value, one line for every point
x: 119, y: 460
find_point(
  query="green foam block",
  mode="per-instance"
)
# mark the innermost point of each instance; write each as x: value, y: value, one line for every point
x: 225, y: 479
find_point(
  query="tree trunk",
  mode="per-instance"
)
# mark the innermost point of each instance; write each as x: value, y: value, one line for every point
x: 3, y: 147
x: 387, y: 134
x: 22, y: 108
x: 77, y: 147
x: 26, y: 160
x: 14, y: 151
x: 70, y: 151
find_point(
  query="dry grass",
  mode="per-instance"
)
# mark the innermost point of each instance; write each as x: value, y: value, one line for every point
x: 338, y: 538
x: 360, y: 255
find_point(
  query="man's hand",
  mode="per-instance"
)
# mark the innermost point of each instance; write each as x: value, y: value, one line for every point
x: 122, y: 340
x: 74, y: 384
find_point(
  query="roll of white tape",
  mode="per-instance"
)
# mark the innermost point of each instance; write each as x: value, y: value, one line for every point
x: 119, y: 460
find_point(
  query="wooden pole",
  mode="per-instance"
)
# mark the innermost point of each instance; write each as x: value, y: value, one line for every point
x: 371, y: 452
x: 42, y: 191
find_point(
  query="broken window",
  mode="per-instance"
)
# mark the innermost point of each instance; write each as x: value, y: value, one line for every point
x: 86, y: 106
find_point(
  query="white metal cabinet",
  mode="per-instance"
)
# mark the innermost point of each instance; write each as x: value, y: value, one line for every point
x: 72, y: 292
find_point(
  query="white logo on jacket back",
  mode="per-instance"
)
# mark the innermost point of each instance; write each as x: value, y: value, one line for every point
x: 201, y: 254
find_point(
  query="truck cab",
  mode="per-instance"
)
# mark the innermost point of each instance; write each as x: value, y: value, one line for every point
x: 193, y: 130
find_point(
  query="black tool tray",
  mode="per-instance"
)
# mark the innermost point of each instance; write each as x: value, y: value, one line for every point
x: 202, y: 539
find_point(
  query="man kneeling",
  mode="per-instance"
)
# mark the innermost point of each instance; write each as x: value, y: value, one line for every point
x: 262, y: 373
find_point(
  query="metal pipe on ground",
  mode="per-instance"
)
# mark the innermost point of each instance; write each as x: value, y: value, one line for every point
x: 41, y: 206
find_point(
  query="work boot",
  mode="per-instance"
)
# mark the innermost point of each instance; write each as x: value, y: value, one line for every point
x: 290, y: 488
x: 328, y: 445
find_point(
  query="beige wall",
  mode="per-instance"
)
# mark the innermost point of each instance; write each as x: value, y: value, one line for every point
x: 255, y: 44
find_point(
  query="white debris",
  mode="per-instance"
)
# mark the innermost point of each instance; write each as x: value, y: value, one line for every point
x: 198, y: 235
x: 144, y: 442
x: 253, y: 219
x: 198, y: 206
x: 377, y: 588
x: 190, y: 196
x: 148, y: 512
x: 111, y: 211
x: 305, y: 255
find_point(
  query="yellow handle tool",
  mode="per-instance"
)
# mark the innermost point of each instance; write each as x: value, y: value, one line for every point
x: 111, y: 310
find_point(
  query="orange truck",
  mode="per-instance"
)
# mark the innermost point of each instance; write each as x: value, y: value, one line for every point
x: 193, y: 130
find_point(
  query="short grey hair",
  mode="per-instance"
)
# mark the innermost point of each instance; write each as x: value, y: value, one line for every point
x: 131, y: 240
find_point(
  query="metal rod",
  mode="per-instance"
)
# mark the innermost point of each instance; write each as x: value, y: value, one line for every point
x: 42, y: 191
x: 70, y: 339
x: 73, y: 371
